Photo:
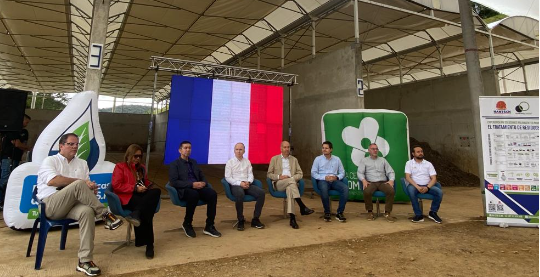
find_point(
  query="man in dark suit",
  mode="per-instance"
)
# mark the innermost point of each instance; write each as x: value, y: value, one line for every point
x: 188, y: 179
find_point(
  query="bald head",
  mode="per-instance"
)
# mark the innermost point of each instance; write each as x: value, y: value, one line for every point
x: 239, y: 150
x: 285, y: 148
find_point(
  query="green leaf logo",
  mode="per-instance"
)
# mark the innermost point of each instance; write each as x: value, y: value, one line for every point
x: 84, y: 141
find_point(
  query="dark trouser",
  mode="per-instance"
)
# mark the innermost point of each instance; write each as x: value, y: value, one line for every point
x: 239, y: 194
x: 6, y: 167
x: 338, y: 185
x: 192, y: 197
x: 384, y: 187
x: 145, y: 205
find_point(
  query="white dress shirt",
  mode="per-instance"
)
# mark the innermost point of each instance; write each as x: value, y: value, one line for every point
x: 238, y: 171
x: 53, y: 166
x: 286, y: 166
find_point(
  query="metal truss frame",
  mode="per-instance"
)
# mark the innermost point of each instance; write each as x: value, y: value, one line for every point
x: 218, y: 71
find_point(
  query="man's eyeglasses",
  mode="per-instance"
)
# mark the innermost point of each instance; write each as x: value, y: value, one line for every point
x: 71, y: 144
x: 137, y: 156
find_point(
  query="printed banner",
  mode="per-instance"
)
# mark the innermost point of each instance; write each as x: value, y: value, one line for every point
x: 352, y: 131
x: 80, y: 116
x: 510, y: 151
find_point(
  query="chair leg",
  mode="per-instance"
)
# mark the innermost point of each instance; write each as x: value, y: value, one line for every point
x: 421, y: 205
x: 284, y: 207
x: 32, y: 235
x: 42, y: 240
x: 378, y: 208
x: 284, y: 215
x: 63, y: 237
x: 122, y: 243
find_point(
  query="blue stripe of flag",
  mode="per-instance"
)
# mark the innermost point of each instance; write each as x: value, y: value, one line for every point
x: 189, y: 117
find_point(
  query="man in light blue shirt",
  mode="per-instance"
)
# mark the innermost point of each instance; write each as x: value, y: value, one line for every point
x: 328, y: 171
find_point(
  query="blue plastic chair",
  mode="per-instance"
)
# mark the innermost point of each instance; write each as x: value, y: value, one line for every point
x: 45, y: 225
x: 377, y: 195
x: 116, y: 208
x: 230, y: 196
x: 173, y: 194
x: 331, y: 192
x: 283, y: 194
x: 420, y: 196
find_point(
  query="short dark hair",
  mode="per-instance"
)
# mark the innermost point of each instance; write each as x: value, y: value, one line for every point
x: 65, y: 137
x: 183, y: 142
x: 329, y: 144
x: 27, y: 116
x: 416, y: 146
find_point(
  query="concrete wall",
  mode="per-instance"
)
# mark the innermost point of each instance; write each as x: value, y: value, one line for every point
x: 119, y: 130
x: 326, y: 83
x: 439, y: 113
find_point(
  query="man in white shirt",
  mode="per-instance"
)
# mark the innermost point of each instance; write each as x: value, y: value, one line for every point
x: 239, y: 174
x: 64, y: 186
x: 422, y: 178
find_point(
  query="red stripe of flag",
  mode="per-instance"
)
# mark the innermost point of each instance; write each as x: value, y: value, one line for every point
x: 266, y: 123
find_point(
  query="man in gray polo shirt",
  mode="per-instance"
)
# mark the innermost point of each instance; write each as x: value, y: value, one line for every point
x: 375, y: 173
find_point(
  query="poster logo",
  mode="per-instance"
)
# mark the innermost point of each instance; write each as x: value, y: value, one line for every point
x: 368, y: 129
x: 522, y: 107
x: 500, y: 108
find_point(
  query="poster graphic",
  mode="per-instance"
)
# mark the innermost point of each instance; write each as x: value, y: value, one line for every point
x: 510, y: 151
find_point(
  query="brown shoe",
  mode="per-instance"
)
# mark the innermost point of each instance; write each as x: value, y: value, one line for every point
x: 370, y: 216
x: 388, y: 217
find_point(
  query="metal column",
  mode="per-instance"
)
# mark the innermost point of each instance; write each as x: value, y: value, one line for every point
x: 313, y: 49
x: 34, y: 98
x: 151, y: 124
x: 98, y: 32
x: 476, y: 86
x: 282, y: 53
x: 258, y: 58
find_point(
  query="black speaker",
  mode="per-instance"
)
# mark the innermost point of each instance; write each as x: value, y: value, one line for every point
x: 12, y: 106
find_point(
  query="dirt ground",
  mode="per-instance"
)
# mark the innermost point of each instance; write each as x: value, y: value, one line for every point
x: 460, y: 249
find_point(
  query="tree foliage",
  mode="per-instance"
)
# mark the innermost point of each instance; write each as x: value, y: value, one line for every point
x: 136, y: 109
x: 53, y: 101
x: 487, y: 14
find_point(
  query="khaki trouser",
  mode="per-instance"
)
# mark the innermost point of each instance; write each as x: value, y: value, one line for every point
x: 291, y: 189
x: 384, y: 187
x: 77, y: 201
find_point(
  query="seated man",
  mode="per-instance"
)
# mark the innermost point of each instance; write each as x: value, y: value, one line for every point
x: 64, y: 186
x: 421, y: 176
x: 376, y: 174
x: 189, y: 181
x: 239, y: 174
x: 328, y: 171
x: 284, y: 171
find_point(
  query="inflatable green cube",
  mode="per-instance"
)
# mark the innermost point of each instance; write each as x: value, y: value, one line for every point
x: 352, y: 131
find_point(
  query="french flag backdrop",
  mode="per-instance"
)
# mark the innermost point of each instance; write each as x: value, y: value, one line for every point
x: 214, y: 115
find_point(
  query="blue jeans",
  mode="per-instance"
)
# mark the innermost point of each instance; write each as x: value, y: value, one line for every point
x: 435, y: 191
x: 343, y: 190
x: 5, y: 171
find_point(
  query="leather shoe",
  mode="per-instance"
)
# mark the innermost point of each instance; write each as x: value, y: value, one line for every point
x: 306, y: 211
x: 294, y: 224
